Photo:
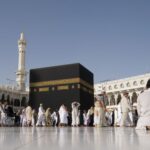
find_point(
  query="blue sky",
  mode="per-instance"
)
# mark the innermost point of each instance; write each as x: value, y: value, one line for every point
x: 109, y: 37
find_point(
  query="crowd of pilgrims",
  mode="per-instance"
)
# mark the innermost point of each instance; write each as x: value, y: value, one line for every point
x: 95, y: 116
x: 62, y: 117
x: 122, y: 114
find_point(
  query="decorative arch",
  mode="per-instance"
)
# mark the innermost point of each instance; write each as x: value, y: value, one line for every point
x: 0, y: 96
x: 121, y: 85
x: 119, y: 98
x: 135, y: 83
x: 142, y: 82
x: 17, y: 102
x: 3, y: 98
x: 112, y: 100
x: 128, y: 84
x: 115, y: 86
x: 8, y: 99
x: 110, y: 87
x: 134, y: 97
x: 24, y: 102
x: 12, y: 102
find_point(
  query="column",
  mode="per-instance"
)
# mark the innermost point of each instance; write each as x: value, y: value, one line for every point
x: 109, y: 99
x: 130, y: 97
x: 116, y: 97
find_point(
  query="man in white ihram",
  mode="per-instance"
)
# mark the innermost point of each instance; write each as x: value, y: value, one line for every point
x: 125, y: 109
x: 41, y: 116
x: 143, y: 108
x: 75, y: 113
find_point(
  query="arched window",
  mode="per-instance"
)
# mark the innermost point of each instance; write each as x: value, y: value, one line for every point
x: 128, y: 84
x: 122, y: 85
x: 12, y: 102
x: 142, y: 82
x: 135, y: 83
x: 3, y: 97
x: 24, y: 102
x: 115, y: 86
x: 118, y: 99
x: 104, y: 88
x: 134, y: 97
x: 110, y: 87
x: 17, y: 102
x: 8, y: 99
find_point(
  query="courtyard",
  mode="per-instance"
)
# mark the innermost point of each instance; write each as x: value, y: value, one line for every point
x: 78, y: 138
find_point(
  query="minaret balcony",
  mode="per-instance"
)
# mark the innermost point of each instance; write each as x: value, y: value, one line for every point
x: 22, y: 42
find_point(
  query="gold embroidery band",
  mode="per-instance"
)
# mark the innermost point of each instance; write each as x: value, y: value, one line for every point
x: 61, y: 82
x: 63, y: 87
x: 45, y: 89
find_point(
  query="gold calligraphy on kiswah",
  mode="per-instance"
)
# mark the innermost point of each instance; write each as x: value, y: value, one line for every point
x: 61, y: 82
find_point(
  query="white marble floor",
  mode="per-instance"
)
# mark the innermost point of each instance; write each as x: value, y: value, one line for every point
x: 83, y: 138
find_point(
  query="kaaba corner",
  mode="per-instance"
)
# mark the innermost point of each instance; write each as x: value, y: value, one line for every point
x: 57, y: 85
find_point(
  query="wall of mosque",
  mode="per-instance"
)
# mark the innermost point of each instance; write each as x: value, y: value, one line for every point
x: 14, y: 97
x: 114, y: 89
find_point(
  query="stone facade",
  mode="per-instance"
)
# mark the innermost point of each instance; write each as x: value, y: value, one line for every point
x: 114, y: 89
x: 13, y: 96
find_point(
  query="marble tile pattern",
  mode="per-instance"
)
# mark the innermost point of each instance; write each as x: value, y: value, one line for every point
x: 77, y: 138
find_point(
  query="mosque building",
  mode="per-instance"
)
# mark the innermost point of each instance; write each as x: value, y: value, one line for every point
x: 114, y: 89
x: 17, y: 96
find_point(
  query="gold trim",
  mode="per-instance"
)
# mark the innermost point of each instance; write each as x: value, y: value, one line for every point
x: 63, y: 87
x: 55, y: 82
x: 45, y: 89
x: 86, y: 84
x: 61, y: 82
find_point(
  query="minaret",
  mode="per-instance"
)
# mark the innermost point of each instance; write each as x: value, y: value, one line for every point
x: 21, y: 73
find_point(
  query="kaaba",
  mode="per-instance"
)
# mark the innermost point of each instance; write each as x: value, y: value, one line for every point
x: 57, y: 85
